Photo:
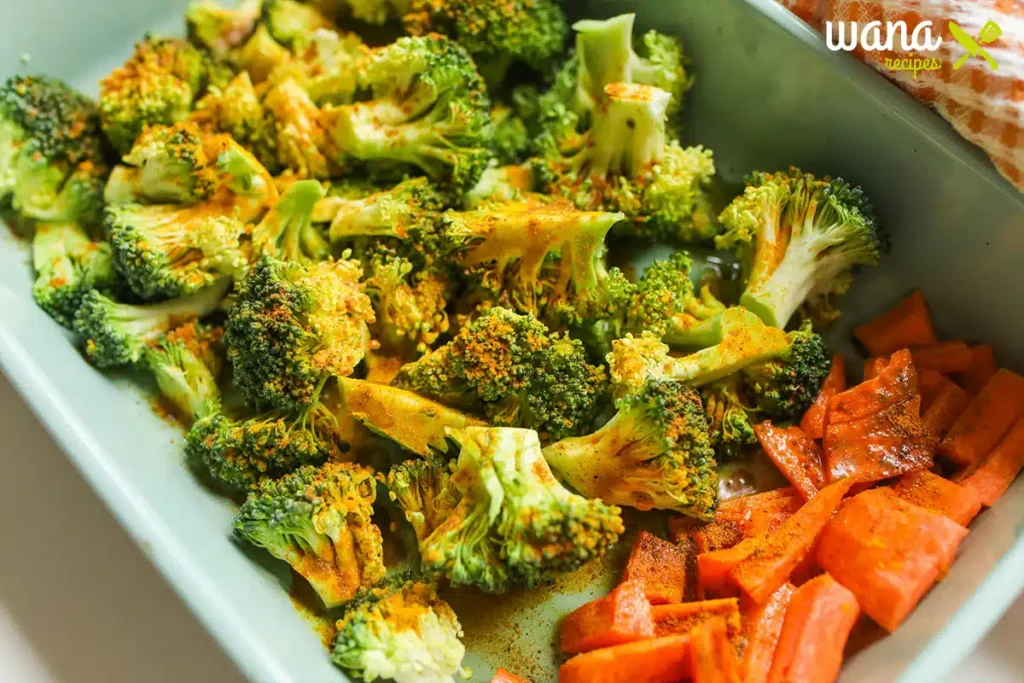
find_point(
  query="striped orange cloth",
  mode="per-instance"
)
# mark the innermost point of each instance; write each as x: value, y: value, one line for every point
x: 986, y: 106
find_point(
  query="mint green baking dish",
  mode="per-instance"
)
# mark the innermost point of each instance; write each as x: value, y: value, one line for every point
x: 768, y: 94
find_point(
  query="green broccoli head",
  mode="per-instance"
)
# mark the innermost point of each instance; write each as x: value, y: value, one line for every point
x: 402, y: 631
x: 221, y: 29
x: 427, y: 108
x: 799, y: 239
x: 287, y: 231
x: 51, y: 151
x: 182, y: 374
x: 261, y: 54
x: 167, y: 164
x: 237, y: 109
x: 291, y: 22
x: 326, y: 65
x: 422, y: 489
x: 319, y: 521
x: 510, y: 368
x: 68, y: 265
x: 654, y: 453
x: 115, y: 334
x: 299, y: 139
x: 496, y: 34
x: 510, y: 523
x: 409, y: 305
x: 730, y: 419
x: 157, y: 85
x: 511, y: 137
x: 294, y: 326
x: 499, y: 184
x: 785, y: 387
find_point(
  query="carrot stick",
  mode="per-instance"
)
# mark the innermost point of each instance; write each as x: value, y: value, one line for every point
x: 929, y: 384
x: 506, y: 676
x: 932, y: 492
x: 818, y: 621
x: 740, y: 518
x: 983, y: 366
x: 813, y: 422
x: 762, y: 626
x: 999, y: 468
x: 795, y: 454
x: 987, y: 418
x: 777, y: 553
x: 874, y: 430
x: 661, y: 660
x: 659, y: 566
x: 888, y: 552
x: 907, y: 324
x: 945, y: 409
x: 873, y: 366
x: 713, y: 659
x: 713, y: 568
x: 946, y: 357
x: 684, y: 617
x: 622, y: 616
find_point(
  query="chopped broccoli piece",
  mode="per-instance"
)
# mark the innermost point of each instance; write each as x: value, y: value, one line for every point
x: 511, y: 138
x: 300, y: 138
x: 51, y: 151
x: 167, y: 164
x: 654, y: 453
x: 318, y: 520
x: 409, y: 305
x: 423, y: 492
x: 427, y: 108
x: 400, y: 631
x: 730, y: 419
x: 510, y: 368
x: 287, y: 231
x: 327, y: 66
x: 183, y: 376
x: 237, y: 109
x: 68, y: 265
x: 261, y: 54
x: 513, y: 525
x: 294, y: 326
x: 785, y: 387
x: 799, y: 239
x: 499, y: 184
x: 115, y: 334
x: 290, y: 22
x: 221, y: 29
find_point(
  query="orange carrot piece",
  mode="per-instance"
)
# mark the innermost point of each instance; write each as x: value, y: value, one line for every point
x: 661, y: 660
x: 506, y: 676
x: 818, y: 622
x: 929, y: 384
x: 873, y: 366
x: 813, y: 422
x: 713, y: 568
x: 907, y: 324
x: 740, y: 518
x: 988, y: 417
x: 945, y: 409
x: 983, y: 366
x: 712, y: 655
x: 762, y: 626
x: 795, y: 454
x: 874, y: 430
x: 659, y: 566
x: 932, y: 492
x: 888, y: 552
x: 945, y: 357
x: 999, y: 468
x: 777, y: 553
x: 684, y: 617
x: 622, y: 616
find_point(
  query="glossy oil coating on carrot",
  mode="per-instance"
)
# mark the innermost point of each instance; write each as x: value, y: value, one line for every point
x: 712, y: 656
x: 813, y: 422
x: 998, y: 469
x: 906, y: 324
x: 932, y: 492
x: 506, y: 676
x: 873, y: 366
x: 660, y: 567
x: 795, y: 454
x: 929, y: 384
x: 622, y: 616
x: 874, y: 430
x: 818, y: 621
x: 660, y: 660
x: 983, y: 366
x: 762, y: 625
x: 944, y: 357
x: 682, y: 618
x: 942, y: 413
x: 888, y: 552
x: 740, y: 518
x: 988, y: 417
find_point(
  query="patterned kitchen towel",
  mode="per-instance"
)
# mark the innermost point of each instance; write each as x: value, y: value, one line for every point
x: 984, y: 104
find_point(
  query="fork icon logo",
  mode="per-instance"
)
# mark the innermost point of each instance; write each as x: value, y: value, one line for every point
x: 989, y: 32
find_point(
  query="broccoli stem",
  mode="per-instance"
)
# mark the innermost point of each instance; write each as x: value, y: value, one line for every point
x: 605, y: 51
x: 149, y: 322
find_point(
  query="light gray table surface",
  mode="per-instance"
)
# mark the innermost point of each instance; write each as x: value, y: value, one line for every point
x: 80, y: 604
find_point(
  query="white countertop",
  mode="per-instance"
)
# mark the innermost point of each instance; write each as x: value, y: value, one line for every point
x: 80, y: 604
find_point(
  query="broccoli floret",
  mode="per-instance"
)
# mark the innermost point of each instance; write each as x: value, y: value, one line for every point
x: 730, y: 419
x: 400, y: 631
x: 427, y: 108
x: 514, y: 525
x: 51, y: 151
x: 409, y: 305
x: 509, y: 246
x: 115, y: 334
x: 799, y: 239
x: 511, y: 138
x: 515, y: 372
x: 326, y: 66
x: 261, y: 54
x: 184, y: 378
x: 499, y: 184
x: 290, y: 22
x: 221, y: 29
x: 68, y: 265
x: 318, y: 520
x: 287, y: 231
x: 167, y: 164
x: 294, y: 326
x: 422, y: 490
x: 496, y: 34
x: 786, y: 386
x: 654, y: 453
x: 157, y: 85
x: 237, y: 109
x: 415, y: 423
